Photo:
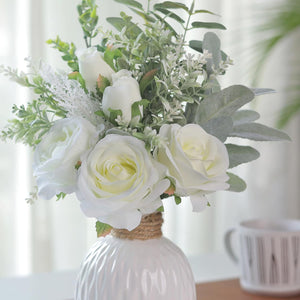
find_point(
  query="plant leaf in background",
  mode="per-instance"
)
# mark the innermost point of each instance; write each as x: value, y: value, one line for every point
x: 280, y: 22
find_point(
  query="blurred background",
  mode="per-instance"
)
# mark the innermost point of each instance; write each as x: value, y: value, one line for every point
x: 262, y: 38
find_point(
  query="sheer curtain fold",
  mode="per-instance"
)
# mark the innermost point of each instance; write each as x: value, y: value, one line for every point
x: 54, y: 235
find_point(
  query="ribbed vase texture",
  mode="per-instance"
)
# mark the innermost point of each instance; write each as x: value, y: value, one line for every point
x: 121, y: 269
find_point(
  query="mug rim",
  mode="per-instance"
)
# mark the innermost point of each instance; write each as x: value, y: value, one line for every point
x: 286, y: 226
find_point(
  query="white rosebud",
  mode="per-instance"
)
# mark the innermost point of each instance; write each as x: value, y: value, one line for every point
x: 56, y: 156
x: 119, y: 181
x: 91, y: 65
x: 196, y: 160
x: 125, y: 91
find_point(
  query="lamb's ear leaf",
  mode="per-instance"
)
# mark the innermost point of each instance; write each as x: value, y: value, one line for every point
x: 236, y: 183
x: 240, y: 154
x: 258, y: 132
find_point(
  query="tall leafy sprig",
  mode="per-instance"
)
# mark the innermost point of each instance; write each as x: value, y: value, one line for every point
x: 36, y: 118
x: 88, y: 20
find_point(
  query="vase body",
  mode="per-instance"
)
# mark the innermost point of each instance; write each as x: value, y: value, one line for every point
x: 122, y: 269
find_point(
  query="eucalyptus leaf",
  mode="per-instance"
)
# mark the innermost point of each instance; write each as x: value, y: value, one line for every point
x: 145, y: 16
x: 259, y: 132
x: 224, y: 103
x: 132, y: 30
x: 168, y: 26
x: 170, y: 15
x: 220, y: 127
x: 240, y: 154
x: 198, y: 46
x: 204, y: 11
x: 210, y: 25
x: 236, y: 183
x: 133, y: 3
x: 244, y: 116
x: 262, y: 91
x: 171, y: 5
x: 212, y: 44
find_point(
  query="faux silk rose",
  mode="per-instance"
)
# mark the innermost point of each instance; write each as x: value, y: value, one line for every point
x: 57, y: 154
x: 91, y: 65
x: 125, y: 91
x: 196, y: 160
x: 119, y: 181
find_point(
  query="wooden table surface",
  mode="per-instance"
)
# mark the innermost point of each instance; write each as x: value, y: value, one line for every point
x: 230, y: 290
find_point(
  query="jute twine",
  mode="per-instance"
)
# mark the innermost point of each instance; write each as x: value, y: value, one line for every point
x: 149, y: 228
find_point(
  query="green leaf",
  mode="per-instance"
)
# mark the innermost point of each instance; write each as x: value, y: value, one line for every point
x: 170, y: 15
x: 236, y: 183
x: 259, y: 132
x: 220, y: 127
x: 132, y: 3
x: 177, y: 199
x: 110, y: 55
x: 147, y: 79
x: 224, y: 103
x: 113, y: 114
x: 60, y: 196
x: 168, y: 26
x: 204, y: 11
x: 145, y: 16
x: 171, y: 5
x: 212, y: 44
x: 198, y: 46
x: 132, y: 30
x: 102, y: 228
x: 240, y: 154
x: 137, y: 108
x: 244, y: 116
x: 210, y: 25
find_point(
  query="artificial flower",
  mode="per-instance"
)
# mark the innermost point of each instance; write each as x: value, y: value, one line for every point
x: 119, y: 181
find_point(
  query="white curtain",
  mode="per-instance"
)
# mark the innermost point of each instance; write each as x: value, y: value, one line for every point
x: 52, y: 235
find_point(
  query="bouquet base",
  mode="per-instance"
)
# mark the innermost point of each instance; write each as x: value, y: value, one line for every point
x: 123, y: 269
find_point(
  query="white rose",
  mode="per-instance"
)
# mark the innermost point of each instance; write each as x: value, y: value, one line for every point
x: 58, y: 153
x: 196, y: 160
x: 119, y: 181
x: 91, y: 65
x: 125, y: 90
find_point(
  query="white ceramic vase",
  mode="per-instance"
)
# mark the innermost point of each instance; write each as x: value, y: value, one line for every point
x: 122, y: 269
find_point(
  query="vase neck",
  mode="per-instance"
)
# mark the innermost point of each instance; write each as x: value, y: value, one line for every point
x: 149, y: 228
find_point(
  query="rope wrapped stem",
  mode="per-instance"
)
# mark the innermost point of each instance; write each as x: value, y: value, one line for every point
x: 149, y: 228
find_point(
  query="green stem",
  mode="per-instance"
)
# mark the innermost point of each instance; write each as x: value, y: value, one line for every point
x: 148, y: 7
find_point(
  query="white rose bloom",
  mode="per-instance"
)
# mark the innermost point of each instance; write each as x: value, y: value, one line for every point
x: 119, y: 181
x: 196, y: 160
x: 58, y: 153
x: 91, y: 65
x: 125, y: 91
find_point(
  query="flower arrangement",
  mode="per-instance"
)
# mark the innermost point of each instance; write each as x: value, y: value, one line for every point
x: 138, y: 117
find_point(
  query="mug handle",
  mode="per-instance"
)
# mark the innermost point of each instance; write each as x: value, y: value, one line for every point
x: 228, y: 245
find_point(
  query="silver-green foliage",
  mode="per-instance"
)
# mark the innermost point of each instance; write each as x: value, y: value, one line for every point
x: 177, y: 85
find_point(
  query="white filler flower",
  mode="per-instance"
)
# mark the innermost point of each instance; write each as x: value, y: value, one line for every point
x: 119, y: 181
x: 58, y: 153
x: 196, y: 160
x: 91, y: 65
x: 125, y: 91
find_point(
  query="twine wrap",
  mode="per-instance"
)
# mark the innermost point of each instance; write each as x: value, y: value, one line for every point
x: 149, y: 228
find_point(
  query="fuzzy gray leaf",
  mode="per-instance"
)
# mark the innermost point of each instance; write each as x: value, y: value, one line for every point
x: 244, y: 116
x: 236, y: 183
x: 220, y: 127
x: 259, y: 132
x: 263, y: 91
x: 240, y: 154
x: 224, y: 103
x: 212, y: 44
